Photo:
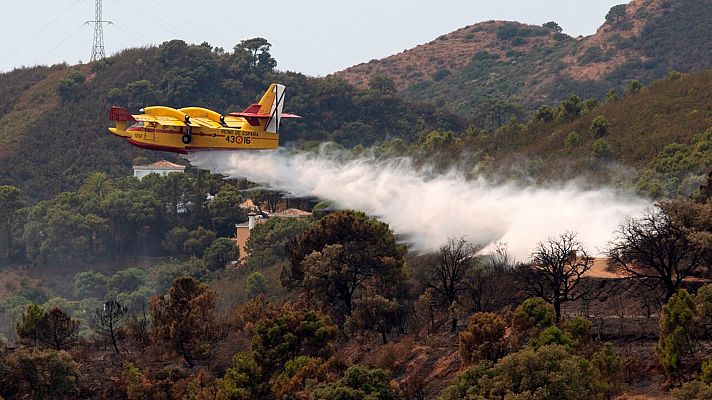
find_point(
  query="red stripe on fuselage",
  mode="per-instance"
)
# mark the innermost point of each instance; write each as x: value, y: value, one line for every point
x: 184, y: 150
x: 175, y: 132
x: 143, y: 130
x: 157, y: 147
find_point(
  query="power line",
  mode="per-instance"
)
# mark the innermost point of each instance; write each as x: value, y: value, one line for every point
x: 28, y: 19
x: 54, y: 48
x: 97, y: 50
x: 37, y: 33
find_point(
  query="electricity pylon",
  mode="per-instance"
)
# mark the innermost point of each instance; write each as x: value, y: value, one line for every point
x: 97, y: 50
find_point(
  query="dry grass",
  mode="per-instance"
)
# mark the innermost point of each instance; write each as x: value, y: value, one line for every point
x: 13, y: 278
x: 452, y: 51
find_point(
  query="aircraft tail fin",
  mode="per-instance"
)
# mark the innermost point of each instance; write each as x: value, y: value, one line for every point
x: 272, y: 103
x: 121, y: 117
x: 269, y: 108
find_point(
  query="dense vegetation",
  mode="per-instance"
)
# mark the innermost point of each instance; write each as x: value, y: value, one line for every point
x: 54, y: 119
x: 299, y: 318
x: 651, y: 139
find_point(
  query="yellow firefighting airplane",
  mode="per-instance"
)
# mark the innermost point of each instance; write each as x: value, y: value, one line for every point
x: 197, y: 129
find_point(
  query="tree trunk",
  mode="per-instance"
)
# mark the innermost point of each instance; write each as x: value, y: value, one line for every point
x: 186, y: 356
x: 557, y: 310
x: 669, y: 291
x: 113, y: 341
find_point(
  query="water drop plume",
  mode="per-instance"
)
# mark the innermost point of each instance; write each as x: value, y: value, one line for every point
x: 424, y: 208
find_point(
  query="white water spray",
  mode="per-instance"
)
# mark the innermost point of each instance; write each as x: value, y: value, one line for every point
x: 425, y: 210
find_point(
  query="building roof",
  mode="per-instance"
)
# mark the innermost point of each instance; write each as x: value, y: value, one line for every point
x: 163, y: 164
x: 248, y: 204
x: 291, y: 213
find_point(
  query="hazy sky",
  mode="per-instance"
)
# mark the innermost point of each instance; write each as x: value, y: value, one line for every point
x: 315, y: 37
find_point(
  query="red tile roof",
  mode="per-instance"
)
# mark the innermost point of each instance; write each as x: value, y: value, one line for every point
x: 291, y: 212
x: 163, y: 164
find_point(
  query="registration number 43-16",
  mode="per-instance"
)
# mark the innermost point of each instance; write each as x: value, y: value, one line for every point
x: 237, y: 139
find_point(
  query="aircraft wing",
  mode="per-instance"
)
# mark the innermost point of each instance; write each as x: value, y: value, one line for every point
x: 205, y: 122
x: 234, y: 122
x: 165, y: 121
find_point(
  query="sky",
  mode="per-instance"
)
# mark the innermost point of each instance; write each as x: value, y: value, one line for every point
x: 314, y: 37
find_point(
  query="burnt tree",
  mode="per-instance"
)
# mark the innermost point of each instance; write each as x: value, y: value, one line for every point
x: 57, y: 329
x: 108, y: 321
x: 185, y: 318
x: 556, y: 271
x: 655, y: 250
x: 447, y: 276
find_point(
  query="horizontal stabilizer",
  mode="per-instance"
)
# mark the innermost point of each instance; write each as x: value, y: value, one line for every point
x: 258, y: 115
x: 269, y: 109
x: 120, y: 114
x: 253, y: 116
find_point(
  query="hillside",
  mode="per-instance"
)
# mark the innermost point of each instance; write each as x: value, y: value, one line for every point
x: 53, y: 120
x: 532, y: 65
x: 655, y: 139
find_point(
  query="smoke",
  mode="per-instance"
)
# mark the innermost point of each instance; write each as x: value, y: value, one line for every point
x: 424, y: 208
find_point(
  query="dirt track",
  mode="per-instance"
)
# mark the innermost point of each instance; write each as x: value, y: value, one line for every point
x: 600, y: 270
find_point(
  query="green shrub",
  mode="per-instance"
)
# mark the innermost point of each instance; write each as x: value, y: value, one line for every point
x: 699, y: 389
x: 553, y: 335
x: 358, y: 383
x: 534, y: 312
x: 579, y: 329
x: 706, y: 374
x: 703, y: 302
x: 90, y: 284
x: 256, y: 284
x: 484, y: 338
x: 607, y: 371
x: 243, y: 380
x: 289, y: 333
x: 545, y: 114
x: 126, y: 281
x: 530, y: 318
x: 69, y: 87
x: 591, y: 55
x: 601, y: 150
x: 570, y: 108
x: 633, y: 87
x: 28, y: 328
x: 599, y: 126
x: 220, y: 253
x: 572, y: 139
x: 676, y: 334
x: 552, y: 25
x: 440, y: 74
x: 507, y: 31
x: 590, y: 104
x: 49, y: 375
x: 548, y: 373
x: 694, y: 390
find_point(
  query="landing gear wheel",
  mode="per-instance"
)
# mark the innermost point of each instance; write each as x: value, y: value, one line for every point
x: 186, y: 139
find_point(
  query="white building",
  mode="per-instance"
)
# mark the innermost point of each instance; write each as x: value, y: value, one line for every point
x: 161, y: 168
